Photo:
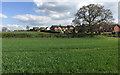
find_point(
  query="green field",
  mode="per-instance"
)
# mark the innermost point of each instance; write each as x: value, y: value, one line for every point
x: 60, y: 55
x: 25, y: 32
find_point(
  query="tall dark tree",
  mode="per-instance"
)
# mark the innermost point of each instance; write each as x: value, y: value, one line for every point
x: 27, y: 27
x: 93, y: 14
x: 4, y: 29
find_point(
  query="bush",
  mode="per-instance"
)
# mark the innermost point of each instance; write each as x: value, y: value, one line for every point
x: 43, y: 35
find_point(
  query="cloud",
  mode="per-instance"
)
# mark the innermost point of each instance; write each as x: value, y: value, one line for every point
x: 15, y: 27
x: 65, y: 9
x: 116, y: 20
x: 32, y: 19
x: 57, y: 10
x: 61, y: 12
x: 73, y: 1
x: 119, y: 12
x: 12, y: 27
x: 2, y: 16
x: 40, y: 20
x: 119, y: 20
x: 0, y: 25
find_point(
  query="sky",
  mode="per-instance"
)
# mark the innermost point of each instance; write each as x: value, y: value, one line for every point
x: 16, y: 15
x: 119, y: 13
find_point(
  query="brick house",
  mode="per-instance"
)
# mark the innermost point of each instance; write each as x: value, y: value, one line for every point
x: 70, y: 27
x: 116, y: 28
x: 42, y: 28
x: 110, y: 28
x: 64, y: 28
x: 35, y: 28
x: 54, y: 28
x: 48, y: 28
x: 100, y: 28
x: 77, y: 28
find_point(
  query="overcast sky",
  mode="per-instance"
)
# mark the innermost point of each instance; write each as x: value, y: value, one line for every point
x: 17, y: 15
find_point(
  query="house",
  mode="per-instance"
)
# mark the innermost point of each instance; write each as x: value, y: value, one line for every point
x: 116, y: 28
x: 110, y: 28
x: 100, y: 28
x: 54, y: 28
x: 64, y: 28
x: 42, y: 28
x: 70, y: 27
x: 77, y: 29
x: 48, y: 28
x: 35, y: 28
x: 83, y: 28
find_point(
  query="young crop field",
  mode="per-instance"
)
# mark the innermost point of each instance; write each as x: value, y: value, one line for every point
x: 60, y: 55
x: 25, y: 32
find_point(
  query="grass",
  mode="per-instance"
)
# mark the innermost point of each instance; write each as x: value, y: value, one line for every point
x: 60, y: 55
x: 26, y: 32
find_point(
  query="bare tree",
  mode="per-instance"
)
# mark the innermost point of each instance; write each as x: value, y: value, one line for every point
x: 93, y: 14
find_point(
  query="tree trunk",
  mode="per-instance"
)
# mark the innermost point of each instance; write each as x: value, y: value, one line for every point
x: 91, y: 29
x: 91, y: 33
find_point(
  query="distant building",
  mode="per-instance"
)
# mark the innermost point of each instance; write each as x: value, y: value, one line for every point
x: 77, y: 29
x: 100, y: 28
x: 35, y: 28
x: 42, y: 28
x: 55, y: 28
x: 64, y: 28
x: 48, y: 28
x: 110, y: 28
x: 116, y: 28
x: 70, y: 27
